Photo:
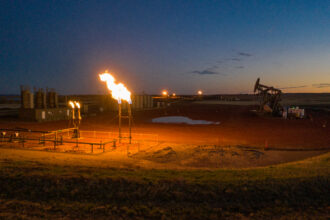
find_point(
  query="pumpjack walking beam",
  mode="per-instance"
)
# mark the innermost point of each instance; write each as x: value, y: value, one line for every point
x: 271, y: 98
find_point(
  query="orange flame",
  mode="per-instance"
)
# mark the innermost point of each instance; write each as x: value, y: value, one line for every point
x: 71, y: 103
x: 118, y: 90
x: 77, y: 104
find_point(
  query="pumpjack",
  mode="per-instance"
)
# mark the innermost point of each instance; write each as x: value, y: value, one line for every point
x: 269, y: 97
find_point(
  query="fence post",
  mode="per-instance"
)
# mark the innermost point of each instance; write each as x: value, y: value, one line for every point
x: 92, y: 148
x: 102, y: 145
x: 114, y: 144
x: 55, y: 140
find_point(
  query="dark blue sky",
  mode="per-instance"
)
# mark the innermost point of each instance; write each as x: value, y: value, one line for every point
x: 183, y: 46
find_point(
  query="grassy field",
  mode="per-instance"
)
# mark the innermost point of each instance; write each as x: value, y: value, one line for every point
x: 40, y: 189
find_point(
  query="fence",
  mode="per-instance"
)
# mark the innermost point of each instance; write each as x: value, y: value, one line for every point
x: 136, y: 137
x: 60, y: 141
x: 70, y: 140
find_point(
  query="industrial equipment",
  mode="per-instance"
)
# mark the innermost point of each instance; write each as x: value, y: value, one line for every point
x: 270, y: 98
x: 41, y: 105
x: 76, y: 117
x: 120, y: 93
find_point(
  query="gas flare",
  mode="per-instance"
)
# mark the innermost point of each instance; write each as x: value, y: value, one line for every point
x: 77, y: 104
x: 71, y: 103
x: 118, y: 90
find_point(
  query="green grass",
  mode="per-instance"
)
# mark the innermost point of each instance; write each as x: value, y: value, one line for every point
x: 35, y: 190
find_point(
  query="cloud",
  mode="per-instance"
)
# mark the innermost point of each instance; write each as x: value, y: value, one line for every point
x: 294, y: 87
x: 239, y: 67
x: 206, y: 72
x: 321, y: 85
x: 238, y: 57
x: 244, y: 54
x: 235, y: 59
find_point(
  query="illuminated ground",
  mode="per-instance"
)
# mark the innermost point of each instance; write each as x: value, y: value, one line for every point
x: 242, y: 139
x: 183, y: 175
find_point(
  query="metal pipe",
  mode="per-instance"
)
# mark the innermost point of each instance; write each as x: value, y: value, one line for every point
x: 55, y: 141
x: 119, y: 118
x: 10, y: 139
x: 22, y: 130
x: 130, y: 122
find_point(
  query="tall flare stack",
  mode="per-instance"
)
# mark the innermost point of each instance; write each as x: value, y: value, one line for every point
x: 120, y: 93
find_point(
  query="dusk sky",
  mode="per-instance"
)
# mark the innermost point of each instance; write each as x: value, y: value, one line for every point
x: 182, y: 46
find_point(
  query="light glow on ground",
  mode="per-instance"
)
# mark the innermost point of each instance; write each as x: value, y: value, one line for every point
x: 182, y: 120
